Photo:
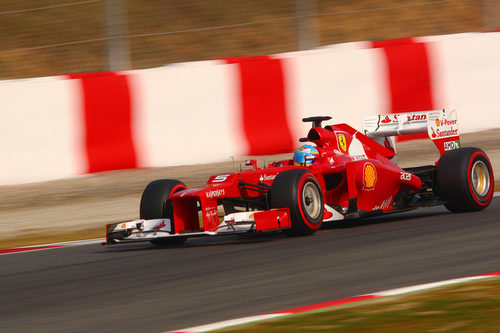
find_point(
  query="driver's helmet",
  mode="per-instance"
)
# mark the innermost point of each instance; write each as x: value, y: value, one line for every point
x: 305, y: 155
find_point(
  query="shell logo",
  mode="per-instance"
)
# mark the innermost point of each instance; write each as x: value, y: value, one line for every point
x: 369, y: 176
x: 437, y: 122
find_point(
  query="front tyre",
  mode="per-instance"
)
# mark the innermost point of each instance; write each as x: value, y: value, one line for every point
x: 155, y: 205
x: 465, y: 180
x: 299, y: 190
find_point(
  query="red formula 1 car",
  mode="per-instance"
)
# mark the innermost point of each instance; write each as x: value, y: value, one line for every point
x: 341, y: 174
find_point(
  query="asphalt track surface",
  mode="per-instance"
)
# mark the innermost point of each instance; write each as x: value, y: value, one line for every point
x: 140, y: 288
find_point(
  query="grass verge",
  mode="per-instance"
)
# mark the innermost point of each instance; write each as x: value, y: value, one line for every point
x: 45, y: 237
x: 467, y: 307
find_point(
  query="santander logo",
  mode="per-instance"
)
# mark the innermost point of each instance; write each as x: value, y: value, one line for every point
x: 265, y: 177
x: 386, y: 120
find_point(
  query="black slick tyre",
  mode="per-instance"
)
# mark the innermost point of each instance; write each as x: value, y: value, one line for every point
x: 299, y: 190
x: 465, y: 180
x: 155, y: 205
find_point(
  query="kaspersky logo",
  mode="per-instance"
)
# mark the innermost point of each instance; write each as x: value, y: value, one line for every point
x: 215, y: 193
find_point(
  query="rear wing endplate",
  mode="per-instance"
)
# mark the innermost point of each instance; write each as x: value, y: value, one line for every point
x: 440, y: 125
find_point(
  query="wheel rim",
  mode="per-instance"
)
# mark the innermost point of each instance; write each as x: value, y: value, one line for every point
x: 480, y: 177
x: 311, y: 200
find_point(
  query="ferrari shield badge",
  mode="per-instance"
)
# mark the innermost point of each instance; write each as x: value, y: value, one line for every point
x: 342, y: 142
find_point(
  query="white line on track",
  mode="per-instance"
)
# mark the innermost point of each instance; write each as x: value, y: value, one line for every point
x: 51, y: 246
x: 78, y: 242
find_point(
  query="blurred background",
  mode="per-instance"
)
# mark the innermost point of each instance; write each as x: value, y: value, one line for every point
x: 50, y: 37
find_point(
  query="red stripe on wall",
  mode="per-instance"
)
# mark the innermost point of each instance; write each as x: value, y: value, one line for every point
x: 264, y: 111
x: 409, y: 77
x: 107, y: 114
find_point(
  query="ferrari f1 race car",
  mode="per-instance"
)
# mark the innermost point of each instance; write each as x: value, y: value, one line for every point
x: 341, y: 174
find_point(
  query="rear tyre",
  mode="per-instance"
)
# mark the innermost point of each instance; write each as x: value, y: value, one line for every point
x: 155, y: 205
x: 299, y: 190
x: 465, y: 180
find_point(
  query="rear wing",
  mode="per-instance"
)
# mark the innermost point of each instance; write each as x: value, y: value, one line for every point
x: 441, y: 126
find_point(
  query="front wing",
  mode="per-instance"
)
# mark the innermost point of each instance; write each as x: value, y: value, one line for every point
x: 235, y: 223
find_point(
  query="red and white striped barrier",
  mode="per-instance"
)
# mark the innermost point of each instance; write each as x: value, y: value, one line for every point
x: 206, y: 111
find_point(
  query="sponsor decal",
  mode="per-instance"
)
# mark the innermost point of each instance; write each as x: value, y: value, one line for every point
x: 215, y: 193
x: 405, y: 176
x: 124, y: 226
x: 450, y: 145
x: 342, y: 142
x: 386, y: 120
x: 444, y: 127
x: 211, y: 213
x: 159, y: 226
x: 369, y: 176
x: 411, y: 117
x: 265, y: 177
x: 446, y: 122
x: 443, y: 133
x: 415, y: 117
